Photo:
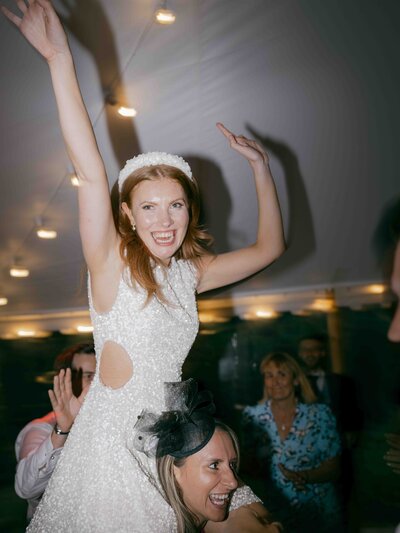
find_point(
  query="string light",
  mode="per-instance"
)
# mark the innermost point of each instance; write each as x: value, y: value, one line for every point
x: 3, y: 301
x: 127, y: 111
x: 84, y: 329
x: 26, y: 333
x: 19, y: 272
x: 43, y: 232
x: 165, y: 16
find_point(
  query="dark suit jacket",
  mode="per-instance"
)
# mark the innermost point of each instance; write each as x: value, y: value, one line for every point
x: 343, y: 400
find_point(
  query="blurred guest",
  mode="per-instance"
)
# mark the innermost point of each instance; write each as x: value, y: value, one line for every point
x: 392, y: 456
x: 336, y: 390
x: 298, y: 447
x: 39, y: 443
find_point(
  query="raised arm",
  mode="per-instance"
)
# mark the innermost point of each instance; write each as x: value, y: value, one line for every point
x: 40, y: 25
x: 234, y: 266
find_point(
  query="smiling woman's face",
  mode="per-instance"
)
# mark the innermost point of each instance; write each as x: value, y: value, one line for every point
x: 208, y: 478
x: 159, y: 209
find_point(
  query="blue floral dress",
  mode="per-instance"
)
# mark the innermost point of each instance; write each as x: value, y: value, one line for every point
x: 312, y: 440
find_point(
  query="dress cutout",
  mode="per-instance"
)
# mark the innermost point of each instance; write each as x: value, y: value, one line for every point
x: 101, y: 484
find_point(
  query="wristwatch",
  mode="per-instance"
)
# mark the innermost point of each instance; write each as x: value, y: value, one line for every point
x: 58, y: 431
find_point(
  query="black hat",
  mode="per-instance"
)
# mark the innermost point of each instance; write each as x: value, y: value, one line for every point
x: 183, y: 429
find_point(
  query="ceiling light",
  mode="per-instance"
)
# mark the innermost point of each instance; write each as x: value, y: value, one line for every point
x: 127, y: 111
x: 164, y: 16
x: 265, y: 313
x: 324, y: 305
x: 26, y: 333
x: 84, y: 329
x: 376, y: 289
x: 3, y: 301
x: 19, y: 272
x: 46, y: 233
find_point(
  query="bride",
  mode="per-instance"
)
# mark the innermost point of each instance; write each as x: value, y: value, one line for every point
x: 143, y: 277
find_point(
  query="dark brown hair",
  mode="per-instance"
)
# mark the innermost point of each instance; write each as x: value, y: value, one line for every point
x: 135, y: 253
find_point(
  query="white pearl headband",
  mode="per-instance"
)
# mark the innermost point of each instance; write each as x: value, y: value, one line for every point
x: 151, y: 159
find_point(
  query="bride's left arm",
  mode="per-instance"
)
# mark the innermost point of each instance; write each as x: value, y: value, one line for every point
x: 224, y: 269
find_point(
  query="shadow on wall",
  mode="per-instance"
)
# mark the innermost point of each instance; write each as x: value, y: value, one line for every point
x: 216, y: 207
x: 88, y: 23
x: 300, y: 237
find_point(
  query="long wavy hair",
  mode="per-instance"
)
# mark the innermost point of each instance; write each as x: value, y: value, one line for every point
x: 186, y: 519
x: 135, y: 253
x: 303, y: 391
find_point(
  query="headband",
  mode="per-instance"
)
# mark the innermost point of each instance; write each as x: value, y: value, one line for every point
x: 183, y: 429
x: 151, y: 159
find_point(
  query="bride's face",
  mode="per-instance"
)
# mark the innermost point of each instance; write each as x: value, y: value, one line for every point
x: 208, y: 478
x: 159, y: 209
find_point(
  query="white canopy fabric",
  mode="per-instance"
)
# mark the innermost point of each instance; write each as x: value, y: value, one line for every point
x: 316, y: 82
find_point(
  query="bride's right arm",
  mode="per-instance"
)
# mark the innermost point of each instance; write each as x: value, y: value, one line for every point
x: 41, y: 27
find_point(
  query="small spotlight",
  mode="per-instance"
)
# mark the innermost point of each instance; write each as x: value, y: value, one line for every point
x: 3, y: 301
x: 265, y: 313
x: 376, y: 289
x: 127, y: 111
x: 165, y: 16
x: 19, y: 272
x: 46, y: 233
x: 85, y: 329
x: 26, y: 333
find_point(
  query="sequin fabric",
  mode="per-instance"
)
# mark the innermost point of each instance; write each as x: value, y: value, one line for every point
x: 101, y: 484
x: 243, y: 496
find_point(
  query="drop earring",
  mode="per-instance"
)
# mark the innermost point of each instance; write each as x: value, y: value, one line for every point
x: 133, y: 226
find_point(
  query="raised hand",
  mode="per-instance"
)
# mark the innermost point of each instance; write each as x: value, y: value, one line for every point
x: 41, y: 27
x: 65, y: 405
x: 251, y: 150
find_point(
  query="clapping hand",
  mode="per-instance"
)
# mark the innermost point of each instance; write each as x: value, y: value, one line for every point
x: 65, y: 405
x: 40, y: 25
x: 251, y: 150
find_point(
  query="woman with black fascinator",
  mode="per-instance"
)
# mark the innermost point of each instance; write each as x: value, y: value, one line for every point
x: 197, y: 460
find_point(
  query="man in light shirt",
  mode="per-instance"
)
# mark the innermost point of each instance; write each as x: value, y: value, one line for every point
x: 39, y: 443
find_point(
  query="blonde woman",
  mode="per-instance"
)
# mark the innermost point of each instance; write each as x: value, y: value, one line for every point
x: 298, y: 446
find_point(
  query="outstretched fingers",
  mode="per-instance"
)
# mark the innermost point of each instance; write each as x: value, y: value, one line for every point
x: 11, y: 16
x: 228, y: 134
x: 53, y: 400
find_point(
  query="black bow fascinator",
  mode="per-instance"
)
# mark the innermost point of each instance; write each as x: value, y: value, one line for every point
x: 183, y: 429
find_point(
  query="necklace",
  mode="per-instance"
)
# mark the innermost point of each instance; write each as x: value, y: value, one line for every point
x: 284, y: 422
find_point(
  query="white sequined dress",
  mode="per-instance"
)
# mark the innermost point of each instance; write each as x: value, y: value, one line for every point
x: 100, y: 484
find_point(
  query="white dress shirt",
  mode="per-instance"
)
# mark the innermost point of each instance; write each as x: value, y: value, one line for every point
x: 39, y: 460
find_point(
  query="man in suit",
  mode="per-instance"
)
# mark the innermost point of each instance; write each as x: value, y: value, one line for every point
x: 336, y: 390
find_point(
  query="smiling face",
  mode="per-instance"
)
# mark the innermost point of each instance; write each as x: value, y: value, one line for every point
x: 159, y: 209
x: 279, y: 382
x: 208, y: 478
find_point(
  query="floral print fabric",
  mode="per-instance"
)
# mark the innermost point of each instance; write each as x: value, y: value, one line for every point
x: 312, y: 440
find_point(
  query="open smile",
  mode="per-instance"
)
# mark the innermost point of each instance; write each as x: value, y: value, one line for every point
x: 220, y: 500
x: 164, y: 238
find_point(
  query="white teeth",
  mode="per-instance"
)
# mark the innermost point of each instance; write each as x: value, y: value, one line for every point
x: 219, y: 499
x: 163, y: 234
